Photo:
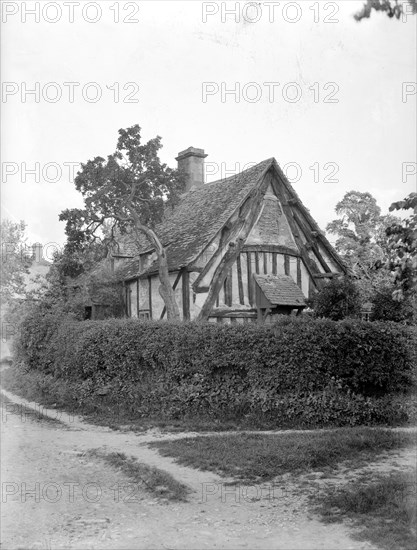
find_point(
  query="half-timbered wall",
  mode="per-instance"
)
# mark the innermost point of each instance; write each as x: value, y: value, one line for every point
x: 238, y: 291
x: 270, y: 233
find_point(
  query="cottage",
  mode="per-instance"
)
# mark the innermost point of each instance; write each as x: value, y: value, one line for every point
x: 239, y: 249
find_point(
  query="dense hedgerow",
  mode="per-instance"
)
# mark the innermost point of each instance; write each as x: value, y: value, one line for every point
x: 313, y: 372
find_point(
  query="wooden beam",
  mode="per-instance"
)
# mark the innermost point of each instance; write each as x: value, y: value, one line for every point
x: 257, y: 262
x: 150, y: 297
x: 327, y: 275
x: 240, y: 232
x: 185, y: 295
x: 286, y: 185
x: 299, y: 272
x: 270, y: 248
x: 137, y: 296
x: 233, y: 313
x: 219, y: 277
x: 201, y: 289
x: 241, y: 228
x: 288, y: 214
x: 228, y: 297
x: 240, y: 280
x: 250, y: 285
x: 265, y: 263
x: 311, y: 239
x: 274, y: 263
x: 266, y: 312
x: 286, y: 264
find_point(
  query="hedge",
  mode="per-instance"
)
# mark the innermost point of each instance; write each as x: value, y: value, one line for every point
x: 308, y: 372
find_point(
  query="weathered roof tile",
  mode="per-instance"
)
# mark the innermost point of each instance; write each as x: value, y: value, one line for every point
x: 280, y: 290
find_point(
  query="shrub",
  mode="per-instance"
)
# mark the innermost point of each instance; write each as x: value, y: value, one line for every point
x: 385, y: 308
x: 302, y: 371
x: 338, y: 299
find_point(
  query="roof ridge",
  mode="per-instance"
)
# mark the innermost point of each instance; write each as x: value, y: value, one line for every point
x: 224, y: 180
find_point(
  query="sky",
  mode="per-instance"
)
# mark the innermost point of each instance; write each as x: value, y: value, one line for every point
x: 333, y: 100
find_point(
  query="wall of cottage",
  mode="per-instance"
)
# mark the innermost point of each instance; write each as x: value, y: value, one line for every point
x: 143, y: 298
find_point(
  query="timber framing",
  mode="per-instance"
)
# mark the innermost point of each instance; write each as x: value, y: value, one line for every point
x: 278, y: 249
x: 224, y: 234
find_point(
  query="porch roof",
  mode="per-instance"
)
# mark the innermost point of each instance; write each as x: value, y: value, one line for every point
x: 280, y: 290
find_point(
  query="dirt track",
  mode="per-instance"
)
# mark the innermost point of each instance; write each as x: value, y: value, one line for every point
x: 55, y: 497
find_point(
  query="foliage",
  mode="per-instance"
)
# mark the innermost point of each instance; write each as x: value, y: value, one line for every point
x: 297, y: 372
x: 131, y: 189
x: 386, y: 308
x: 393, y: 8
x: 338, y: 300
x: 402, y: 242
x: 15, y: 261
x: 361, y: 240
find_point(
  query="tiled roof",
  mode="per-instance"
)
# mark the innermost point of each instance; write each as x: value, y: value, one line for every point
x: 201, y: 213
x: 280, y: 290
x: 129, y: 270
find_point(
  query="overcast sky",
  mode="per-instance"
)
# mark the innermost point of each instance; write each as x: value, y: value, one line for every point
x: 336, y: 99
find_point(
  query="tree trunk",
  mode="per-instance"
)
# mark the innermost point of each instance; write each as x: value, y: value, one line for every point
x: 165, y: 289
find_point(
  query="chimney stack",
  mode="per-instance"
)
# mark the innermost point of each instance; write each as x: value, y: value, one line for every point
x: 191, y: 161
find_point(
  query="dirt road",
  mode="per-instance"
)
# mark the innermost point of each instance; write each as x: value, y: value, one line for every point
x: 54, y: 496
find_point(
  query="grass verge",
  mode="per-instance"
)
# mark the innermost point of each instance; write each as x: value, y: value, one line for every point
x: 11, y: 409
x: 383, y: 509
x: 256, y: 457
x: 157, y: 482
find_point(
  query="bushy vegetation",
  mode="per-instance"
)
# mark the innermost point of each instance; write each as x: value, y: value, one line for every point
x: 298, y: 372
x: 386, y: 308
x: 339, y: 299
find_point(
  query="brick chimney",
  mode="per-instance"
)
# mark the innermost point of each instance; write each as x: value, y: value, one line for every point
x: 191, y: 161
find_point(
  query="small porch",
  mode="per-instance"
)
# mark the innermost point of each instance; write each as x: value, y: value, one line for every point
x: 277, y: 294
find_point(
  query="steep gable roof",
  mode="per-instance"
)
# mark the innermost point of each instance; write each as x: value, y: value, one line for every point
x: 280, y: 290
x: 202, y: 212
x: 200, y: 215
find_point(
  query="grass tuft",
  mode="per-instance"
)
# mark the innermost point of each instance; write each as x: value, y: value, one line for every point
x: 155, y: 481
x: 383, y: 508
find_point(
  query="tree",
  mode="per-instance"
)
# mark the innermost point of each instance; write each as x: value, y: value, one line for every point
x: 361, y: 239
x: 393, y: 8
x: 16, y: 259
x: 132, y: 190
x: 402, y: 247
x: 338, y: 299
